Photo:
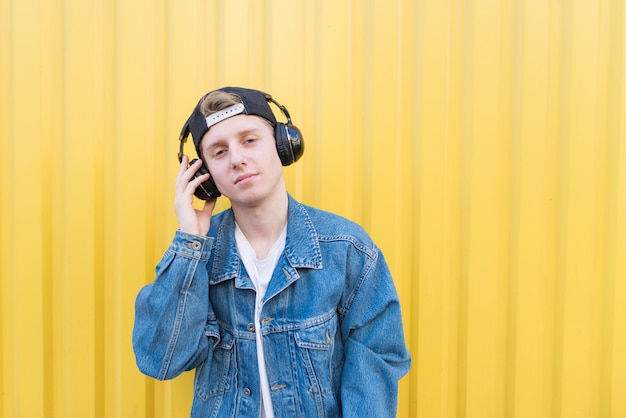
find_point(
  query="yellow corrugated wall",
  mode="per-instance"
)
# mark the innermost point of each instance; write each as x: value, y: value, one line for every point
x: 482, y: 143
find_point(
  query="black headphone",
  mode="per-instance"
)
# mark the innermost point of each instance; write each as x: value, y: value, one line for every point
x: 289, y: 145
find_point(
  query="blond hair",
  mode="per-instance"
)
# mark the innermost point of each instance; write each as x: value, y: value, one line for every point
x: 216, y: 101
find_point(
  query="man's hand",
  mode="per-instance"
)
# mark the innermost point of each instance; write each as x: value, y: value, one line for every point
x: 191, y: 220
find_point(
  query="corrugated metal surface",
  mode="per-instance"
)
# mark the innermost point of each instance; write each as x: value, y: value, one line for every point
x: 481, y: 142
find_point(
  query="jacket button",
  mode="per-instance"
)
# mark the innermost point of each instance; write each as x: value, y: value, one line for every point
x: 196, y: 245
x: 247, y: 391
x: 250, y: 327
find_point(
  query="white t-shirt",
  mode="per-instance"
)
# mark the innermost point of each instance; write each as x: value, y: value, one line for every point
x: 260, y: 272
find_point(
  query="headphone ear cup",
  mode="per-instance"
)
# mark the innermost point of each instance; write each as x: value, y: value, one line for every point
x: 289, y: 143
x: 207, y: 190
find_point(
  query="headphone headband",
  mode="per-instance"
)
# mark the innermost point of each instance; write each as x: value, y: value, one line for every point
x: 281, y: 107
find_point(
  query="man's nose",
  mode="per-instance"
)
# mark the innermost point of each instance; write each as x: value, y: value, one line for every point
x: 237, y: 156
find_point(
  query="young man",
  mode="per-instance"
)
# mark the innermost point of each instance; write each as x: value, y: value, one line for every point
x: 282, y: 310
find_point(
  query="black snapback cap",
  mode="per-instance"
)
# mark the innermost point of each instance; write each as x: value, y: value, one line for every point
x: 253, y: 102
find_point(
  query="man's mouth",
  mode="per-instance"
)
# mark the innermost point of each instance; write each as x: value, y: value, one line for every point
x: 243, y: 178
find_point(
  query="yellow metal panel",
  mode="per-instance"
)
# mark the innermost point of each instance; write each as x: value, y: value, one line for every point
x: 7, y: 228
x: 480, y: 142
x: 25, y: 297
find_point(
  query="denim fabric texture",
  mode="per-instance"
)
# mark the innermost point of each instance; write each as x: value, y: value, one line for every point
x: 331, y: 322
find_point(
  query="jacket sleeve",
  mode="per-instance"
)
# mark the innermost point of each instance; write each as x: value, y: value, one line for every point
x: 376, y: 356
x: 171, y: 313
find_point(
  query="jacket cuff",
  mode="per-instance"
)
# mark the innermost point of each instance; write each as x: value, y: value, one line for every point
x: 194, y: 246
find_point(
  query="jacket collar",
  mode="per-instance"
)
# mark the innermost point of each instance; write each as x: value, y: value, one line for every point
x: 302, y: 248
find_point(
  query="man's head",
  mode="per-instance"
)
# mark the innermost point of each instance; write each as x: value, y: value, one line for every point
x: 217, y: 109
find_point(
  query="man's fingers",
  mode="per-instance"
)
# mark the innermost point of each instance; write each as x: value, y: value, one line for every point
x: 194, y: 183
x: 186, y: 173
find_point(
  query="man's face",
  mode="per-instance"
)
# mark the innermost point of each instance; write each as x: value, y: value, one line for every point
x: 240, y: 153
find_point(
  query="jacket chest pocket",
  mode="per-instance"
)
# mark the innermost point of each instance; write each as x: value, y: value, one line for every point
x: 315, y: 348
x: 215, y: 375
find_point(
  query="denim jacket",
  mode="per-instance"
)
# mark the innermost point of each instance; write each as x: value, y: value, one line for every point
x: 331, y: 323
